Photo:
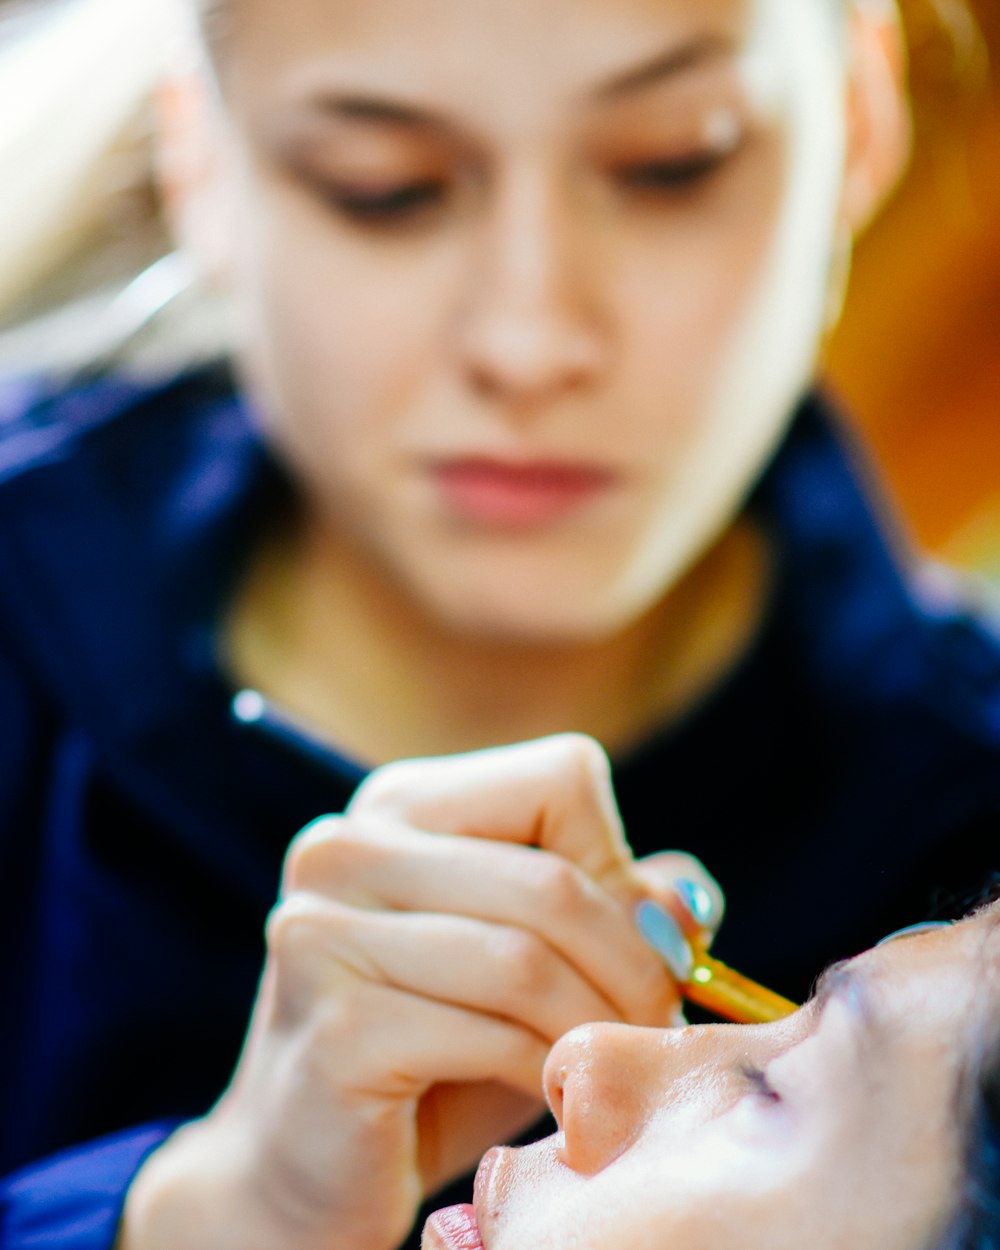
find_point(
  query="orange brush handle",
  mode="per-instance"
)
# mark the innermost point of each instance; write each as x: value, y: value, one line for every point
x: 716, y: 987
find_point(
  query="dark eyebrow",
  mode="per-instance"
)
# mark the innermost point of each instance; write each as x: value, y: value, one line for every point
x: 675, y: 61
x: 377, y: 109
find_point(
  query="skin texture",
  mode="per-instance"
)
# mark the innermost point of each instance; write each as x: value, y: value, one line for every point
x: 460, y: 232
x: 835, y: 1128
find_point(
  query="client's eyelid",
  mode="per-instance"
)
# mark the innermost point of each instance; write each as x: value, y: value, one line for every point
x: 759, y: 1082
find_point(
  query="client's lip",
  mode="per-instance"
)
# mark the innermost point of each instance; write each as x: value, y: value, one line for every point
x: 483, y: 1186
x: 484, y: 1192
x: 460, y: 1227
x: 518, y: 494
x: 453, y: 1228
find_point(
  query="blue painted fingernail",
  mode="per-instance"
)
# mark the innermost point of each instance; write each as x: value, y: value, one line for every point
x: 663, y: 934
x: 697, y: 900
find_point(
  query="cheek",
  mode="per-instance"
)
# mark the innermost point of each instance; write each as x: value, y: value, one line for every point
x: 687, y: 1189
x: 690, y: 292
x: 341, y: 335
x: 711, y: 1193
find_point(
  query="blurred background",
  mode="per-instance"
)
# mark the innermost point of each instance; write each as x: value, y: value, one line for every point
x: 917, y: 358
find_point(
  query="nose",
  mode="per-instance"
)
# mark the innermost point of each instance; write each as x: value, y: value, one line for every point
x: 604, y: 1082
x: 528, y: 330
x: 598, y: 1079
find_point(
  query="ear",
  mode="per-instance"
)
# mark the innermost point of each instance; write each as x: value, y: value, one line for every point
x: 879, y: 122
x: 194, y: 166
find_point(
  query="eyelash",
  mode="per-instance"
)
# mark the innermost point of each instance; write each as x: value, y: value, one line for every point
x: 673, y: 176
x: 757, y: 1080
x: 396, y: 204
x: 409, y: 202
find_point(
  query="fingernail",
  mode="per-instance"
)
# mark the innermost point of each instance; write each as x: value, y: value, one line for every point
x: 697, y: 900
x: 663, y: 934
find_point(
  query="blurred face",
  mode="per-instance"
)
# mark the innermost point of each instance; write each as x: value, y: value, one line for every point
x: 833, y: 1129
x: 531, y: 287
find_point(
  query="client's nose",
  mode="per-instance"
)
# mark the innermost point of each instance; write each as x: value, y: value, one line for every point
x: 598, y: 1080
x: 604, y: 1082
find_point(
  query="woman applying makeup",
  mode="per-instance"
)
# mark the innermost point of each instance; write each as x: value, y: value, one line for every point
x: 516, y: 437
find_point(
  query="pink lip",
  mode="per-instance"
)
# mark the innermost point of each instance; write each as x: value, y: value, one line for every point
x: 453, y: 1228
x: 517, y: 496
x: 460, y: 1227
x: 484, y: 1196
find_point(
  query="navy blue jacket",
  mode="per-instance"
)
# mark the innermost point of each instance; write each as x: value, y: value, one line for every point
x: 842, y: 781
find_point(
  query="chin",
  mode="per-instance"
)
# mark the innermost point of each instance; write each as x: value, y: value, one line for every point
x: 520, y: 619
x: 544, y: 602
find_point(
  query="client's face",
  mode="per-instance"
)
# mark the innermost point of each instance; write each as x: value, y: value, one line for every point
x: 835, y: 1128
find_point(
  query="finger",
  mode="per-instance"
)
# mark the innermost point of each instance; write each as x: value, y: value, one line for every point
x: 372, y: 865
x: 410, y: 1041
x: 485, y: 968
x: 422, y: 1042
x: 553, y: 793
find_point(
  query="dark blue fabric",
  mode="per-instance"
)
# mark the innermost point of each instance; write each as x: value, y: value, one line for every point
x: 843, y: 781
x: 74, y: 1199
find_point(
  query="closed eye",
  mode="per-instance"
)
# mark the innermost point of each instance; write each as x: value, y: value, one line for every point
x: 758, y: 1083
x: 673, y: 175
x: 387, y: 206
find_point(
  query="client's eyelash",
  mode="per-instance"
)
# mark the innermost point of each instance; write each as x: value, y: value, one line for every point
x: 757, y: 1079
